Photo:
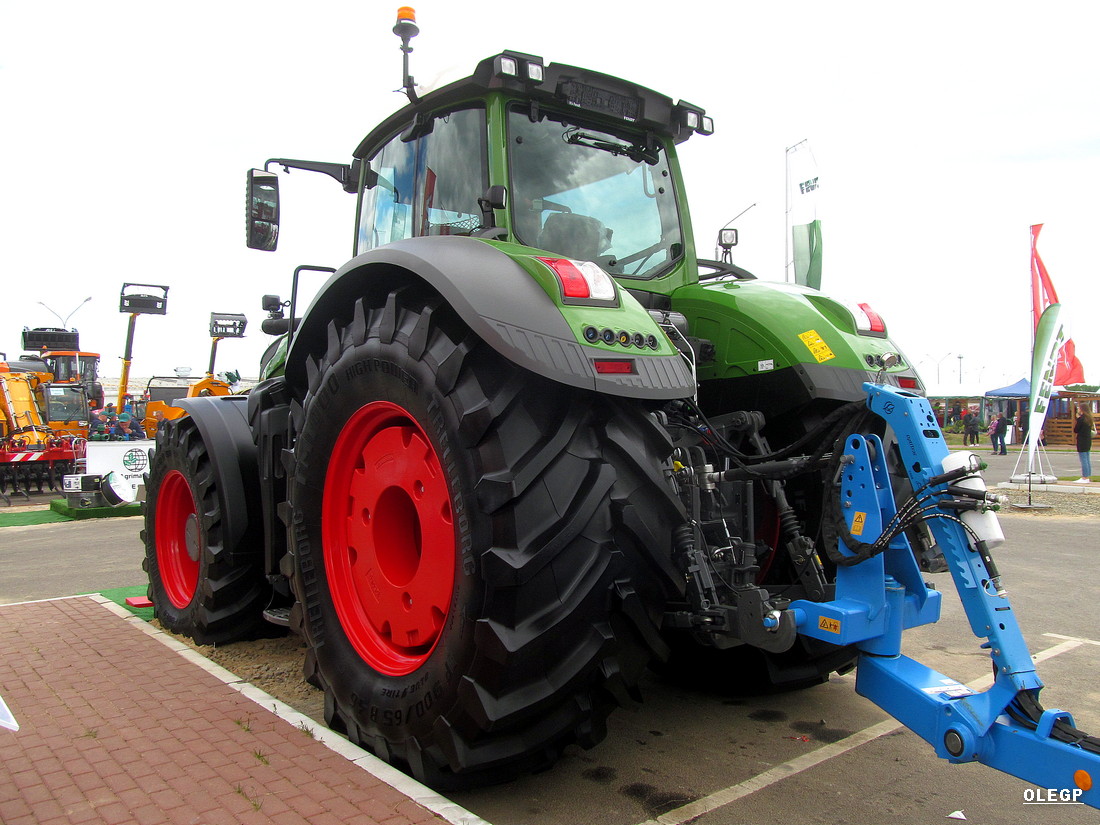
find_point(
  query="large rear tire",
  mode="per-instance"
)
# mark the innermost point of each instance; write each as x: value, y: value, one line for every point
x: 469, y: 557
x: 200, y: 586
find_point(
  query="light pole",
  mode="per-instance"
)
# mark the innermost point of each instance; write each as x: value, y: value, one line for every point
x: 65, y: 321
x: 960, y: 369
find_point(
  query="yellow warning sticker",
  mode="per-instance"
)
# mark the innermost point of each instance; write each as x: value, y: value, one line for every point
x: 859, y: 521
x: 817, y: 346
x: 829, y: 625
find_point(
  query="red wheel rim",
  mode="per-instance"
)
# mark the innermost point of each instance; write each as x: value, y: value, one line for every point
x: 178, y: 539
x: 388, y: 538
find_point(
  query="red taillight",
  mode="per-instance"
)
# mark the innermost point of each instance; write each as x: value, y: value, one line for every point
x: 581, y: 280
x: 608, y: 366
x: 573, y: 283
x: 873, y: 319
x: 908, y: 383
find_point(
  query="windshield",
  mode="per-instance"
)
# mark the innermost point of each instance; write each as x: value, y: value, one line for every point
x: 66, y: 403
x: 64, y: 368
x: 89, y: 368
x: 591, y: 195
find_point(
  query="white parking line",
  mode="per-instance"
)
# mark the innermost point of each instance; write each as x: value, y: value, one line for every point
x: 792, y: 767
x: 1072, y: 639
x: 789, y: 768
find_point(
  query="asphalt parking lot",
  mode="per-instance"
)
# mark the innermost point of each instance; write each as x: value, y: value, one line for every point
x: 709, y: 756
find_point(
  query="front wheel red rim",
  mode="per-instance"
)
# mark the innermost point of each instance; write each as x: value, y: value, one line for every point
x: 388, y: 538
x: 178, y: 539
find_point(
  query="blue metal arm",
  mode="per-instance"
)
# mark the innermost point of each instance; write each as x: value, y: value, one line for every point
x: 881, y: 596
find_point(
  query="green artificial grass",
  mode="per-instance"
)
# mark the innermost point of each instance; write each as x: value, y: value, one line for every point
x: 59, y: 505
x: 31, y: 517
x: 60, y: 510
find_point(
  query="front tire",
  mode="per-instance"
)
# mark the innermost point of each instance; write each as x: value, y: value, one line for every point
x: 467, y: 556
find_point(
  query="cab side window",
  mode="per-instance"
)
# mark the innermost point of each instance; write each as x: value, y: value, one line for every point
x: 428, y: 185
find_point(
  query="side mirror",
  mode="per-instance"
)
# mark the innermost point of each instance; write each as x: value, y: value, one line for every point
x: 495, y: 197
x: 262, y: 210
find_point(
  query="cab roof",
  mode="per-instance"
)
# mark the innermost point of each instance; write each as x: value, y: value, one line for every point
x: 526, y: 76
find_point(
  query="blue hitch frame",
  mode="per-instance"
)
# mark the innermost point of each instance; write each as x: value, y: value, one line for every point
x: 880, y: 597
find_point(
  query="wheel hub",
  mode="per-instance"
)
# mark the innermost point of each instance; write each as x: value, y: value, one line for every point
x: 191, y: 537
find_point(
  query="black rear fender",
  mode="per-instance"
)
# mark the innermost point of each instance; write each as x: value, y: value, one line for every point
x: 501, y: 303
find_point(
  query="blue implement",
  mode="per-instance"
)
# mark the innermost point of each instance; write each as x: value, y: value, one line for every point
x: 880, y: 592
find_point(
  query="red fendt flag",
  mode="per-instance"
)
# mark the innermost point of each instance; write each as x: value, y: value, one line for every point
x: 1043, y: 295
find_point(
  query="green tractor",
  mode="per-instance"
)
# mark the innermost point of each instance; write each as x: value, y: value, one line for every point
x: 525, y: 443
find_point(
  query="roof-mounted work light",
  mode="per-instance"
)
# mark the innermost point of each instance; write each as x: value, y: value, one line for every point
x: 524, y: 67
x: 694, y: 119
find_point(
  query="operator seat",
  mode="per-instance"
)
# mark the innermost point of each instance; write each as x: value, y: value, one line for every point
x: 573, y: 236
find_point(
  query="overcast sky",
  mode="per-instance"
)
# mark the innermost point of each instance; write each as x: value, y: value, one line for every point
x: 941, y: 132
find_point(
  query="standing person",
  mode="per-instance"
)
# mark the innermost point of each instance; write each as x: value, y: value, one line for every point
x: 1000, y: 429
x: 970, y: 429
x: 1083, y: 428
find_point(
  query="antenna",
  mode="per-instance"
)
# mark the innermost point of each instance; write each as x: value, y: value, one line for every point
x: 407, y: 29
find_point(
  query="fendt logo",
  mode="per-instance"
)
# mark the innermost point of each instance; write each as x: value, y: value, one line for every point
x: 135, y: 460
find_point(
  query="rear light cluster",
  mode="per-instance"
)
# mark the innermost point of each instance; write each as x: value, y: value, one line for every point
x: 582, y: 281
x: 868, y: 321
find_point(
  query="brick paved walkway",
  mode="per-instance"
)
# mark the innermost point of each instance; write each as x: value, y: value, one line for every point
x: 120, y: 724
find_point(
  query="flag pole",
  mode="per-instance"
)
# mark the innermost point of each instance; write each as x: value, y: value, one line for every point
x: 1046, y: 341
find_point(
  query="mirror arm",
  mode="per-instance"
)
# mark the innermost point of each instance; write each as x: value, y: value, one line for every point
x: 347, y: 175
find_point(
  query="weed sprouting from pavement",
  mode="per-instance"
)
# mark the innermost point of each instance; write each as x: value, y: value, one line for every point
x: 255, y: 803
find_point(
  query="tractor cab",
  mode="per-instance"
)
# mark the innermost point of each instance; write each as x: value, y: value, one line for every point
x: 79, y: 371
x: 569, y: 161
x: 73, y: 367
